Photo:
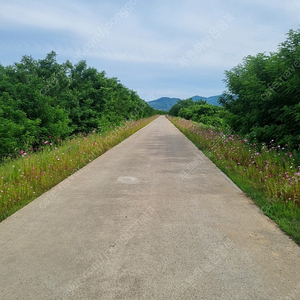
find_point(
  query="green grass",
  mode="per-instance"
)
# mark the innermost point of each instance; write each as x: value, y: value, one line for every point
x: 270, y: 176
x: 32, y: 174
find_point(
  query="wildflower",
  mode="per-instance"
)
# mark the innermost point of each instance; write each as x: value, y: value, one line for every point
x: 245, y: 140
x: 21, y: 151
x: 46, y: 142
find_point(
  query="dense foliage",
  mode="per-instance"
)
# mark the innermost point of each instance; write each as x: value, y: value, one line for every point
x: 263, y: 95
x: 43, y: 98
x: 263, y: 98
x: 198, y: 111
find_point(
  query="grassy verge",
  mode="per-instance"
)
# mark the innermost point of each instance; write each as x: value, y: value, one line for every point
x: 270, y: 176
x: 27, y: 177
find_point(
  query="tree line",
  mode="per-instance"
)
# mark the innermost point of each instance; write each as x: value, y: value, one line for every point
x: 42, y: 98
x: 263, y: 97
x: 199, y: 111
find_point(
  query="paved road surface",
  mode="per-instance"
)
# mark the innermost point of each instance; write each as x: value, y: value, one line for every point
x: 149, y: 219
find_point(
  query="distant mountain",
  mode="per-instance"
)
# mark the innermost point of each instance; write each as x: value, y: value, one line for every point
x: 165, y: 103
x: 211, y: 100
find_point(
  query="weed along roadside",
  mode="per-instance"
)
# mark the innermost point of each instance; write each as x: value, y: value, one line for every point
x: 270, y: 176
x: 24, y: 179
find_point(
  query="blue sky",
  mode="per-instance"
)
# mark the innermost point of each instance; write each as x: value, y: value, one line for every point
x: 157, y: 48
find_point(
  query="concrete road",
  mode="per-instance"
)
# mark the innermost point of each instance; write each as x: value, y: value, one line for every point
x: 150, y: 219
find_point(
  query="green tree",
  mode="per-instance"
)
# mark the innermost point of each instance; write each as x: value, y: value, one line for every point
x: 43, y: 98
x: 264, y: 93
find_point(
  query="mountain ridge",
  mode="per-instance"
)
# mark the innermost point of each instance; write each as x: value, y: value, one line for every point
x: 165, y: 103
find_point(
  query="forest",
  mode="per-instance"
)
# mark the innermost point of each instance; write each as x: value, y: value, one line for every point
x: 42, y: 100
x: 262, y: 102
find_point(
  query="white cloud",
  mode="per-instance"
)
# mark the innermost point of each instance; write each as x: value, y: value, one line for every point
x: 148, y: 38
x: 77, y: 19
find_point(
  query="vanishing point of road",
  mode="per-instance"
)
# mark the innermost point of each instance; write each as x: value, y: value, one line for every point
x: 151, y: 218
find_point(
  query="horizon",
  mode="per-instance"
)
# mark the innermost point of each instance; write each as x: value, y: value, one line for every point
x: 184, y: 98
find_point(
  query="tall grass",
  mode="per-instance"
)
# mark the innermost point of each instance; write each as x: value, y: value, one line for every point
x: 33, y: 173
x: 270, y: 175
